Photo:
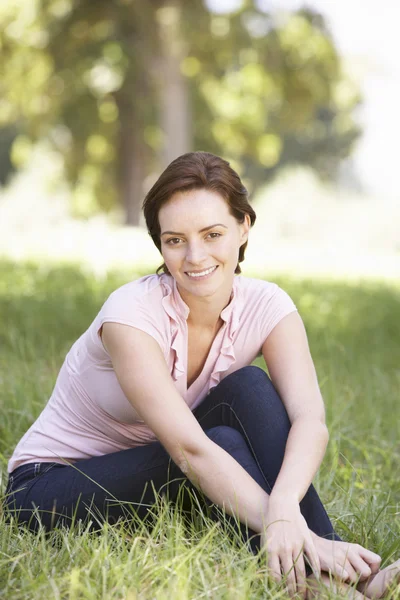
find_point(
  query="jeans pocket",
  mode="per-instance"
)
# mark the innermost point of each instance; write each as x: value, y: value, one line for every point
x: 21, y: 475
x: 27, y: 474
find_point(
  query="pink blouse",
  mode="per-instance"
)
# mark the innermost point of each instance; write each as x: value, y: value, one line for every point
x: 89, y: 415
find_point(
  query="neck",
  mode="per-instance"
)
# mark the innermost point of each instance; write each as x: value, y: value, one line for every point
x: 205, y: 313
x: 211, y: 324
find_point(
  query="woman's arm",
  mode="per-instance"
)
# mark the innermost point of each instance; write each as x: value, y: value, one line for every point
x: 287, y: 356
x: 144, y: 377
x: 292, y: 372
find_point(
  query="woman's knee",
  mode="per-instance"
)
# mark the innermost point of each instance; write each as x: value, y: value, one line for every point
x: 250, y: 382
x: 247, y: 378
x: 226, y: 437
x: 251, y: 387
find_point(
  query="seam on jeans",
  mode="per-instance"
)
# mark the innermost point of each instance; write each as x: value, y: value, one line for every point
x: 37, y: 469
x: 245, y: 434
x: 49, y: 466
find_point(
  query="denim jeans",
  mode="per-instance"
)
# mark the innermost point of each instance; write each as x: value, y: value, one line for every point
x: 243, y: 414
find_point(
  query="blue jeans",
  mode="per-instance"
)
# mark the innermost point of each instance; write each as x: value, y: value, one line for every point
x: 243, y: 414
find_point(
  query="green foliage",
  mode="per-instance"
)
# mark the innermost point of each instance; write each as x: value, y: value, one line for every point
x: 276, y: 94
x: 263, y: 93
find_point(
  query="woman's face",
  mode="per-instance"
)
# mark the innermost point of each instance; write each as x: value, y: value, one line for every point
x: 200, y: 241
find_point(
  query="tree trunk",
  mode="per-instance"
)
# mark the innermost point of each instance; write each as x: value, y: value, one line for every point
x: 132, y: 170
x: 175, y: 118
x: 132, y: 154
x: 159, y: 58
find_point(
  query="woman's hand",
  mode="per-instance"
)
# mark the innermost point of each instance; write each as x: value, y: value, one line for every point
x: 285, y: 538
x: 349, y: 562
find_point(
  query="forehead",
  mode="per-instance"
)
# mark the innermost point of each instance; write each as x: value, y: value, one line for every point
x: 193, y: 205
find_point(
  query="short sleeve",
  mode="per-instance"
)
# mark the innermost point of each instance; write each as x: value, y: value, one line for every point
x: 139, y: 310
x: 275, y: 305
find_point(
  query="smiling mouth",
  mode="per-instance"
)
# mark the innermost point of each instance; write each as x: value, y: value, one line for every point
x: 201, y: 274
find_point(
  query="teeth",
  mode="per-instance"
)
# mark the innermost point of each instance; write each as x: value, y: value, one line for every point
x: 206, y: 272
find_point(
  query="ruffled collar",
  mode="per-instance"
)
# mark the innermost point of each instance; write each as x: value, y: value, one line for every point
x: 178, y: 311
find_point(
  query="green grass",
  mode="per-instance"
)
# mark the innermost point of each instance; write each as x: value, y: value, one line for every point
x: 354, y: 334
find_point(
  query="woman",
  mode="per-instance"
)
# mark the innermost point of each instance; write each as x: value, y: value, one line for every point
x: 159, y: 389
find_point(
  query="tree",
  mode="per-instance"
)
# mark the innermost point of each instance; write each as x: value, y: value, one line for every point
x: 122, y: 87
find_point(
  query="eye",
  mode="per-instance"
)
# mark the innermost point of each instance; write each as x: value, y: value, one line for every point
x: 214, y: 233
x: 171, y: 241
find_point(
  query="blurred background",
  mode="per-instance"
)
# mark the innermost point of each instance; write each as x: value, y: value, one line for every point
x: 96, y: 98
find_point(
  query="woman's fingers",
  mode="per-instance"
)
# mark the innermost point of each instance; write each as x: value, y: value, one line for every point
x: 300, y: 569
x: 371, y: 558
x: 313, y: 558
x: 274, y: 567
x: 289, y: 573
x: 361, y: 567
x: 340, y: 572
x: 360, y: 563
x: 346, y: 572
x: 293, y: 571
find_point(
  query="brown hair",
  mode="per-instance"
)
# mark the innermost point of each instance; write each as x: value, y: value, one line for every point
x: 192, y: 171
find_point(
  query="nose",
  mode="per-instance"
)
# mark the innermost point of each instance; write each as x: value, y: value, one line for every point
x: 195, y: 253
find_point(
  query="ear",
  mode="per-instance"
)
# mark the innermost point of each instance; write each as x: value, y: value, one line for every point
x: 245, y: 228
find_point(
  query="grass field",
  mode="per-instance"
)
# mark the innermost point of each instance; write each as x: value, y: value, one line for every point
x: 354, y: 334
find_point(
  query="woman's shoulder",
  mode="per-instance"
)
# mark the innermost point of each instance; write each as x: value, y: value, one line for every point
x: 261, y: 294
x: 143, y: 295
x: 264, y: 303
x: 140, y: 288
x: 147, y: 292
x: 252, y: 286
x: 137, y: 303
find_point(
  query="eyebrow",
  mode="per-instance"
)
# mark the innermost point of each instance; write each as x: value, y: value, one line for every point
x: 201, y: 230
